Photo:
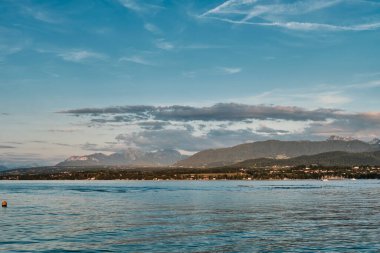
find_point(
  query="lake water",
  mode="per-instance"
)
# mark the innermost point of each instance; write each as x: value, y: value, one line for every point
x: 190, y: 216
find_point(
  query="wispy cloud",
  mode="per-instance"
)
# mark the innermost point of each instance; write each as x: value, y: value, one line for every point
x: 136, y: 59
x: 217, y: 112
x: 195, y: 128
x: 9, y: 50
x: 152, y: 28
x: 268, y: 130
x: 40, y: 13
x: 332, y: 99
x: 66, y: 130
x: 6, y: 147
x: 215, y: 71
x: 323, y: 95
x: 202, y: 47
x: 185, y: 140
x: 367, y: 85
x: 229, y: 70
x: 80, y: 55
x: 13, y: 160
x: 12, y: 42
x: 132, y: 4
x: 164, y: 45
x: 139, y: 6
x: 305, y: 26
x: 291, y: 16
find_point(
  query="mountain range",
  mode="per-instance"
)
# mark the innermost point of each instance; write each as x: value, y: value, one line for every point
x: 266, y: 152
x: 335, y: 150
x: 132, y: 157
x: 336, y: 158
x: 275, y: 149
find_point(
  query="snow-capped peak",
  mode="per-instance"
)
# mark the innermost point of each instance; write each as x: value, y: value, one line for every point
x: 339, y: 138
x: 375, y: 141
x: 77, y: 158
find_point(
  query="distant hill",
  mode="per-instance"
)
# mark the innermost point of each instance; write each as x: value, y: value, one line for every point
x: 336, y: 158
x: 2, y: 167
x: 375, y: 141
x: 128, y: 157
x: 275, y: 149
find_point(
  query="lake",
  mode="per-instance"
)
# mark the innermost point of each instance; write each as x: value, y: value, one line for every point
x: 190, y: 216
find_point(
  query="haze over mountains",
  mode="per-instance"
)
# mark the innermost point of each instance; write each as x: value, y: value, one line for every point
x: 335, y: 149
x: 276, y: 150
x: 130, y: 157
x: 336, y: 158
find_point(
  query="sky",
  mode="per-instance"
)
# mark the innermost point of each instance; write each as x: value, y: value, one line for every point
x: 78, y: 77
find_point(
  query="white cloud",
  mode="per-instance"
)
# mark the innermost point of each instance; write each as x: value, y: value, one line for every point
x: 64, y: 130
x: 131, y: 4
x: 254, y: 8
x: 327, y: 27
x: 162, y: 44
x: 304, y: 26
x: 324, y: 95
x: 41, y: 14
x: 332, y: 99
x: 9, y: 50
x: 152, y: 28
x: 368, y: 85
x: 230, y: 71
x: 229, y: 6
x: 12, y: 42
x: 211, y: 71
x: 80, y: 55
x: 195, y: 128
x: 136, y: 59
x: 297, y: 8
x: 289, y: 16
x: 140, y: 7
x: 189, y: 74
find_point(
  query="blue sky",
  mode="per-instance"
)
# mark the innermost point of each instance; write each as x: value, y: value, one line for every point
x: 264, y: 60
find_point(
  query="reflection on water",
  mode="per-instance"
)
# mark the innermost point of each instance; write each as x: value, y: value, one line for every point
x: 190, y: 216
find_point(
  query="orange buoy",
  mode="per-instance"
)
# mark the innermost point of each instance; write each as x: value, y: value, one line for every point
x: 4, y: 203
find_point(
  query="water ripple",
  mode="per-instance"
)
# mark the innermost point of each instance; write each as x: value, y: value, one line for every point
x: 184, y: 216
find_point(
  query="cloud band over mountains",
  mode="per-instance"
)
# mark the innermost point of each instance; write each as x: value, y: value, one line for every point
x: 217, y: 112
x: 224, y: 124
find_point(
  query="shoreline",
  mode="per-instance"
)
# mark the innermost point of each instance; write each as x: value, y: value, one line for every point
x: 184, y: 180
x: 189, y: 174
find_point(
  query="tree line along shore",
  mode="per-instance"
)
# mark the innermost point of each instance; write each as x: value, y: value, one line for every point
x: 222, y: 173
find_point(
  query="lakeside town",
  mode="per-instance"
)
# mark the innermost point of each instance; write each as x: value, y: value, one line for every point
x: 314, y: 172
